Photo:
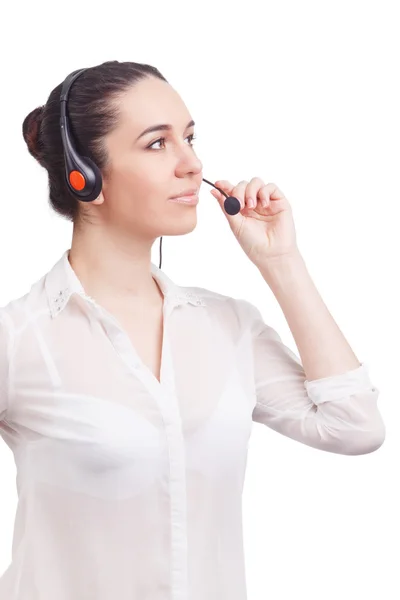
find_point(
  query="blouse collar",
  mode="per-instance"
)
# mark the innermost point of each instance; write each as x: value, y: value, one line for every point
x: 61, y: 283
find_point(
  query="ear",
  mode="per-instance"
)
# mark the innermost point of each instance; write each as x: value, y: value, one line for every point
x: 99, y: 200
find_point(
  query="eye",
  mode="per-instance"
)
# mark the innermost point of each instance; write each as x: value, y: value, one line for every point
x: 192, y: 137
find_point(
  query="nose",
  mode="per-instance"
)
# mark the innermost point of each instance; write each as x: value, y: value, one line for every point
x: 188, y: 162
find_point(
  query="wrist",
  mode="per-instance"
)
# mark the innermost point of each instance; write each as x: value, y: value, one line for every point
x: 284, y: 262
x: 286, y: 275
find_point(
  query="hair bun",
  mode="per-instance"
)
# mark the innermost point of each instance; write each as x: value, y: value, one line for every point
x: 31, y: 131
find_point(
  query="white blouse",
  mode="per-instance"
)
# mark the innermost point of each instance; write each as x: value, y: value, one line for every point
x: 130, y: 488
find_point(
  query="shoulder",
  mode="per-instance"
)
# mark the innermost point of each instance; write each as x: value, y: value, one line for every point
x: 6, y: 343
x: 6, y: 330
x: 237, y: 310
x: 18, y: 310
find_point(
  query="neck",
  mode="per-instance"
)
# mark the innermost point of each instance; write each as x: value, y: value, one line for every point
x: 114, y: 271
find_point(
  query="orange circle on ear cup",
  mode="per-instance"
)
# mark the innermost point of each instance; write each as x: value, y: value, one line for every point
x: 77, y: 180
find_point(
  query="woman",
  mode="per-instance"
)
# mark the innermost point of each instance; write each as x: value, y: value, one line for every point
x: 127, y: 399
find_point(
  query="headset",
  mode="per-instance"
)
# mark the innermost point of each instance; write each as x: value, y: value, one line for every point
x: 82, y: 175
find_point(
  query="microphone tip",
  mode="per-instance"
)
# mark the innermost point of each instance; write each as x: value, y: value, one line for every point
x: 231, y: 205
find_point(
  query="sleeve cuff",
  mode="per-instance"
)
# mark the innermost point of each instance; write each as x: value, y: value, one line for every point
x: 339, y: 387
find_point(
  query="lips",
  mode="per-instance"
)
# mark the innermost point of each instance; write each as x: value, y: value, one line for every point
x: 191, y: 200
x: 186, y: 194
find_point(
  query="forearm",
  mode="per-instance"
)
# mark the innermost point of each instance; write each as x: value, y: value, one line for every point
x: 323, y: 349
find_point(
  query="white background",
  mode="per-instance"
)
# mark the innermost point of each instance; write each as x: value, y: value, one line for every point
x: 302, y: 94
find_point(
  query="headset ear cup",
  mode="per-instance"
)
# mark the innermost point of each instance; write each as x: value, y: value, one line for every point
x: 96, y: 178
x: 91, y: 177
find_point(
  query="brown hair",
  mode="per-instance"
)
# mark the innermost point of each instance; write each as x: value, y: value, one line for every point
x: 92, y: 113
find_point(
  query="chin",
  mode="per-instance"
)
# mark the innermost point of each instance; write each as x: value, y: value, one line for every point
x: 181, y: 227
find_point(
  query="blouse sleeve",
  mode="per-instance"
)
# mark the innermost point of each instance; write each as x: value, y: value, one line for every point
x: 337, y: 414
x: 5, y: 336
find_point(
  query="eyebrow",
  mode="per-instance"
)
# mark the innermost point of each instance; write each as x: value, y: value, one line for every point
x: 163, y: 127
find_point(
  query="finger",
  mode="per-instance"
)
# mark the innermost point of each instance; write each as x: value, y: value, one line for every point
x: 263, y: 195
x: 239, y: 192
x: 225, y: 185
x: 252, y: 191
x: 231, y: 190
x: 272, y: 198
x: 274, y: 192
x: 217, y: 194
